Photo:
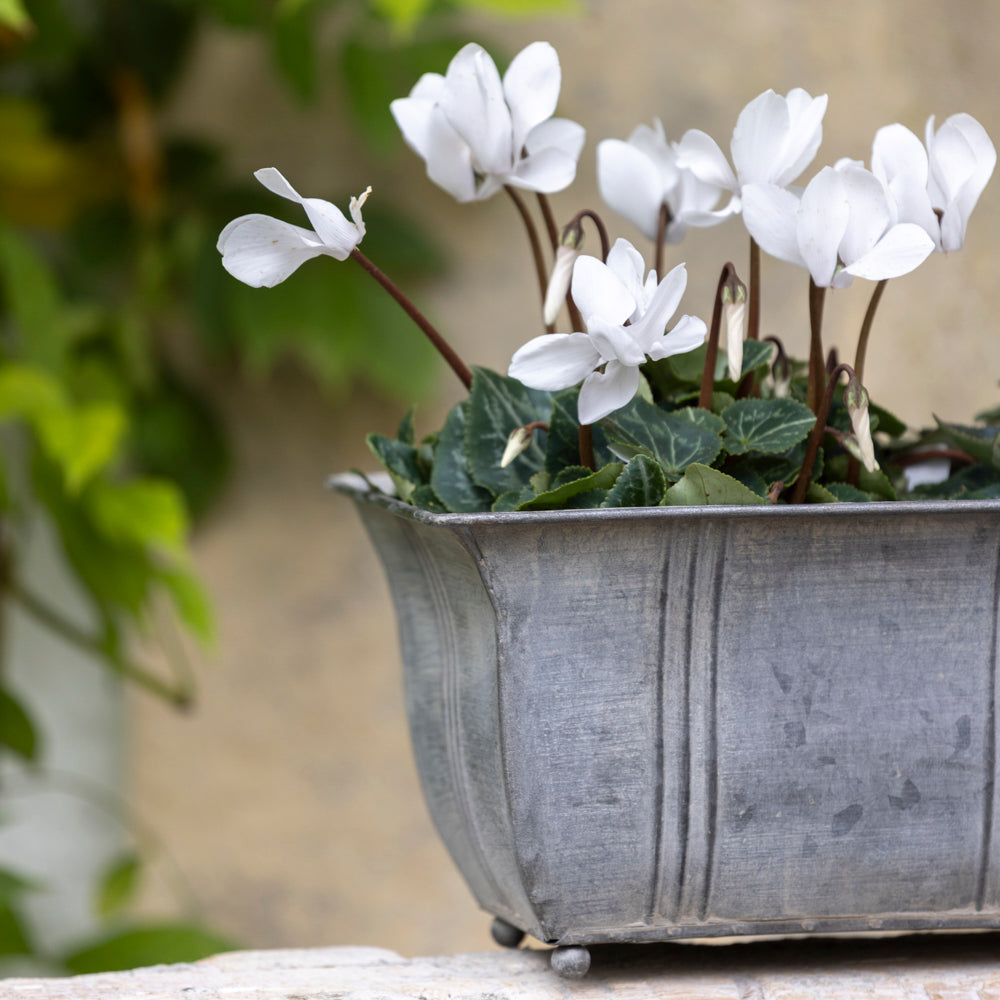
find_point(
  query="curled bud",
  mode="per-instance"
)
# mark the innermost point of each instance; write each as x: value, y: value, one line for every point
x: 519, y: 440
x: 856, y: 401
x: 562, y: 273
x: 734, y: 312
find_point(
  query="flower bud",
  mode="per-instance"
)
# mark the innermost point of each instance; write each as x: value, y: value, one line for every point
x: 562, y: 272
x: 519, y: 440
x: 856, y: 401
x: 734, y: 312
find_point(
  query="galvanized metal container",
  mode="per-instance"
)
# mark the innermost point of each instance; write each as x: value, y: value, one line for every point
x: 658, y: 723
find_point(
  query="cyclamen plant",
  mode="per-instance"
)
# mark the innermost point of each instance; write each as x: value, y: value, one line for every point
x: 625, y: 409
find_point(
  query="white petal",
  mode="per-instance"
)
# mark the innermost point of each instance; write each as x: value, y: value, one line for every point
x: 473, y: 102
x: 554, y: 361
x: 770, y: 215
x: 758, y: 138
x: 559, y: 279
x: 630, y: 184
x: 448, y: 158
x: 531, y: 87
x: 262, y: 252
x: 899, y: 161
x: 546, y: 171
x: 903, y: 248
x: 274, y: 181
x: 984, y: 157
x: 598, y: 293
x: 628, y: 266
x: 823, y: 218
x: 663, y: 304
x: 870, y: 215
x: 689, y: 333
x: 616, y: 343
x: 560, y: 133
x: 414, y: 119
x: 700, y: 153
x: 804, y: 136
x: 604, y: 392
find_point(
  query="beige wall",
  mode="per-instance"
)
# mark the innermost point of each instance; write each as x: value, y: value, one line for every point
x: 288, y: 797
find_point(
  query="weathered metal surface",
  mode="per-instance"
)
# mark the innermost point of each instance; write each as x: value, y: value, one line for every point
x: 684, y: 722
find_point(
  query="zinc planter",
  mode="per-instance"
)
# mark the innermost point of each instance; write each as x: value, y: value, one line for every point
x: 660, y: 723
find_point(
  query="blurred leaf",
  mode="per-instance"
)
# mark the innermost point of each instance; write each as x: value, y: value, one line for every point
x: 191, y: 601
x: 118, y: 885
x: 14, y: 938
x: 14, y: 16
x: 82, y: 441
x: 402, y: 14
x: 28, y: 393
x: 523, y: 8
x: 375, y: 74
x: 153, y: 945
x: 17, y: 732
x: 142, y: 512
x: 14, y: 884
x: 293, y: 42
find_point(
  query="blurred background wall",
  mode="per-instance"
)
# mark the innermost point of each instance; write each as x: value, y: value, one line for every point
x: 287, y: 795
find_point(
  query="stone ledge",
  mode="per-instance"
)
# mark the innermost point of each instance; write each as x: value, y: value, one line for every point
x: 959, y: 967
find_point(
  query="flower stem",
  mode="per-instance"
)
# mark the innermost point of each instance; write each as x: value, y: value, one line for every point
x: 866, y: 327
x: 456, y: 364
x: 536, y: 244
x: 586, y: 440
x: 664, y: 220
x: 753, y: 306
x: 550, y: 220
x: 816, y: 435
x: 712, y: 352
x: 816, y: 361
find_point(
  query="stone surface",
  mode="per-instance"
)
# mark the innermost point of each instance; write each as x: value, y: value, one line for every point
x: 945, y: 968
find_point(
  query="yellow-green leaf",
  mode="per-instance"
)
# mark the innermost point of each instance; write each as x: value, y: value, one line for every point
x: 145, y: 512
x: 81, y: 441
x: 118, y: 885
x: 14, y: 15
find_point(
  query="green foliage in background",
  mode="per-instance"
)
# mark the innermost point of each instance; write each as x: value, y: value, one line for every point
x: 110, y: 285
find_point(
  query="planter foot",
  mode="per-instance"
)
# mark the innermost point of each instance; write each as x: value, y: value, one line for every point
x: 571, y: 962
x: 506, y: 935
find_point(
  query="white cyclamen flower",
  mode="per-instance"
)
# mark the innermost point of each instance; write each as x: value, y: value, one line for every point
x: 936, y: 187
x: 840, y: 228
x: 262, y: 251
x: 477, y: 132
x: 774, y: 140
x: 607, y: 357
x: 637, y: 177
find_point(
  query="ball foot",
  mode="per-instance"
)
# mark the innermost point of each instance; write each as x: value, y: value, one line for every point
x: 572, y: 962
x: 506, y: 935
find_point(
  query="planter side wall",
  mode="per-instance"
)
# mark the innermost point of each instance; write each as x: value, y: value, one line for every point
x: 447, y: 632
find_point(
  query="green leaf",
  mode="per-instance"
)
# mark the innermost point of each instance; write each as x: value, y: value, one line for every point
x: 979, y: 442
x: 17, y: 731
x: 425, y: 498
x: 14, y: 884
x: 641, y: 484
x: 675, y: 441
x: 562, y: 446
x: 144, y: 512
x: 401, y: 461
x: 406, y: 432
x: 702, y: 418
x: 817, y: 493
x: 82, y: 441
x: 845, y: 493
x: 14, y: 16
x: 118, y: 885
x: 766, y: 425
x: 887, y: 423
x: 876, y: 483
x: 703, y: 485
x: 512, y: 499
x: 572, y: 485
x: 191, y: 601
x: 165, y: 944
x: 294, y: 48
x: 496, y: 406
x: 28, y: 393
x: 450, y: 477
x: 14, y: 939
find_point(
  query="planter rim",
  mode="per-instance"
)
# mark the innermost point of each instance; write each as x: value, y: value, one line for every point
x: 374, y: 489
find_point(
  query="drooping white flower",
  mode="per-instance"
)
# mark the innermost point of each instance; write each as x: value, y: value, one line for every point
x: 477, y: 132
x: 262, y: 251
x: 774, y: 140
x: 840, y: 228
x: 641, y: 174
x: 607, y: 357
x: 857, y: 402
x: 936, y: 187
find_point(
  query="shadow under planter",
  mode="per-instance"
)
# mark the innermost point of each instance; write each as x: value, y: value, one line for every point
x: 658, y: 723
